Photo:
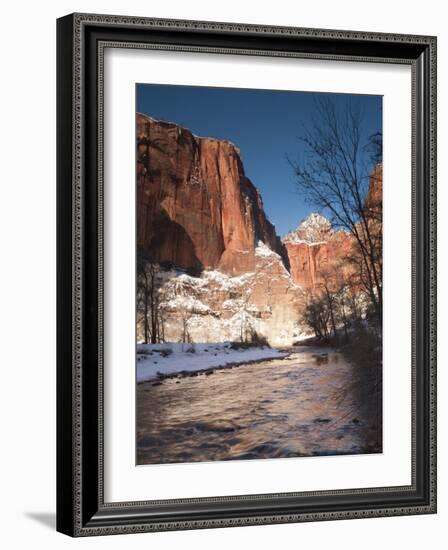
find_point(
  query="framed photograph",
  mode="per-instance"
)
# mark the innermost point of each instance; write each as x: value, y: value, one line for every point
x: 246, y: 274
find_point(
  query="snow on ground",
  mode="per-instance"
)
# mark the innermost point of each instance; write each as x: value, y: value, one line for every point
x: 170, y: 358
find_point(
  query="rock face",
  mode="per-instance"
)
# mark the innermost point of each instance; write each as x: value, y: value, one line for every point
x: 314, y: 248
x: 195, y: 206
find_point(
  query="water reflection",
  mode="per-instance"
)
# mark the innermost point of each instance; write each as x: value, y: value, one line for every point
x: 312, y: 403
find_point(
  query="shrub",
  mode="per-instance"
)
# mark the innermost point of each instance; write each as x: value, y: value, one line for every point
x: 259, y: 342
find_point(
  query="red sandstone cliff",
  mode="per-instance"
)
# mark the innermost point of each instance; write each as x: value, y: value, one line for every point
x: 315, y: 250
x: 195, y: 206
x: 310, y: 261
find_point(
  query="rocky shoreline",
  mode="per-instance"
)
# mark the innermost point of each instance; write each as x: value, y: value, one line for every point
x: 209, y: 371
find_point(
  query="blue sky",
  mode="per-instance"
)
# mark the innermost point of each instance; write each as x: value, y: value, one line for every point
x: 264, y: 124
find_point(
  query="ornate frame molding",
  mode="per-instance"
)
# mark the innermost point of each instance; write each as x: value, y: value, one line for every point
x: 81, y: 42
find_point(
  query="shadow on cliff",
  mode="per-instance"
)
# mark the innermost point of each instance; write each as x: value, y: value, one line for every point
x: 171, y: 246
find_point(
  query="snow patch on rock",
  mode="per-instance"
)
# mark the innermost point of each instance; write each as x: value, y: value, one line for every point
x: 264, y: 251
x: 315, y: 229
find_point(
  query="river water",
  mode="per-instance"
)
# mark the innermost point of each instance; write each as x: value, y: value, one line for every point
x: 312, y: 403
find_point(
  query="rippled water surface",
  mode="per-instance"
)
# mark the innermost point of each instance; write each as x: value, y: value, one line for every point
x: 311, y: 403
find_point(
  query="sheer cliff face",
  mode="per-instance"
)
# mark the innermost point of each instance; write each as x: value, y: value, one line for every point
x: 310, y: 261
x: 195, y: 206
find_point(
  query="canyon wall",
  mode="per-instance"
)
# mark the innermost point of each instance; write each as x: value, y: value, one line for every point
x: 312, y: 261
x: 195, y: 206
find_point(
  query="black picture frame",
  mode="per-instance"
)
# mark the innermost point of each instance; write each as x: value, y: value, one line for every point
x: 81, y: 510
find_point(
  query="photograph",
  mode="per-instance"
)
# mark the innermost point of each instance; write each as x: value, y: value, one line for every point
x: 246, y: 223
x: 258, y: 283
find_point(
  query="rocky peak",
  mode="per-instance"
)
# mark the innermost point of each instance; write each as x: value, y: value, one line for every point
x: 313, y: 229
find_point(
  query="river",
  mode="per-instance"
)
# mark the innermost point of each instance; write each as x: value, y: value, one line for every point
x: 311, y: 403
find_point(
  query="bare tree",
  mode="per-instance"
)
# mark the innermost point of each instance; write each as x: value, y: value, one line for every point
x: 330, y: 296
x: 335, y: 177
x: 246, y: 328
x: 344, y: 310
x: 375, y: 147
x: 149, y: 299
x: 185, y: 318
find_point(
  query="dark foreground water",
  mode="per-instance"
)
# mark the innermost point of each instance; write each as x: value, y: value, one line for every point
x: 312, y: 403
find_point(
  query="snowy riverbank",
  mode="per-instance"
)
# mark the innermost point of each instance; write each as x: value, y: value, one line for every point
x: 168, y: 359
